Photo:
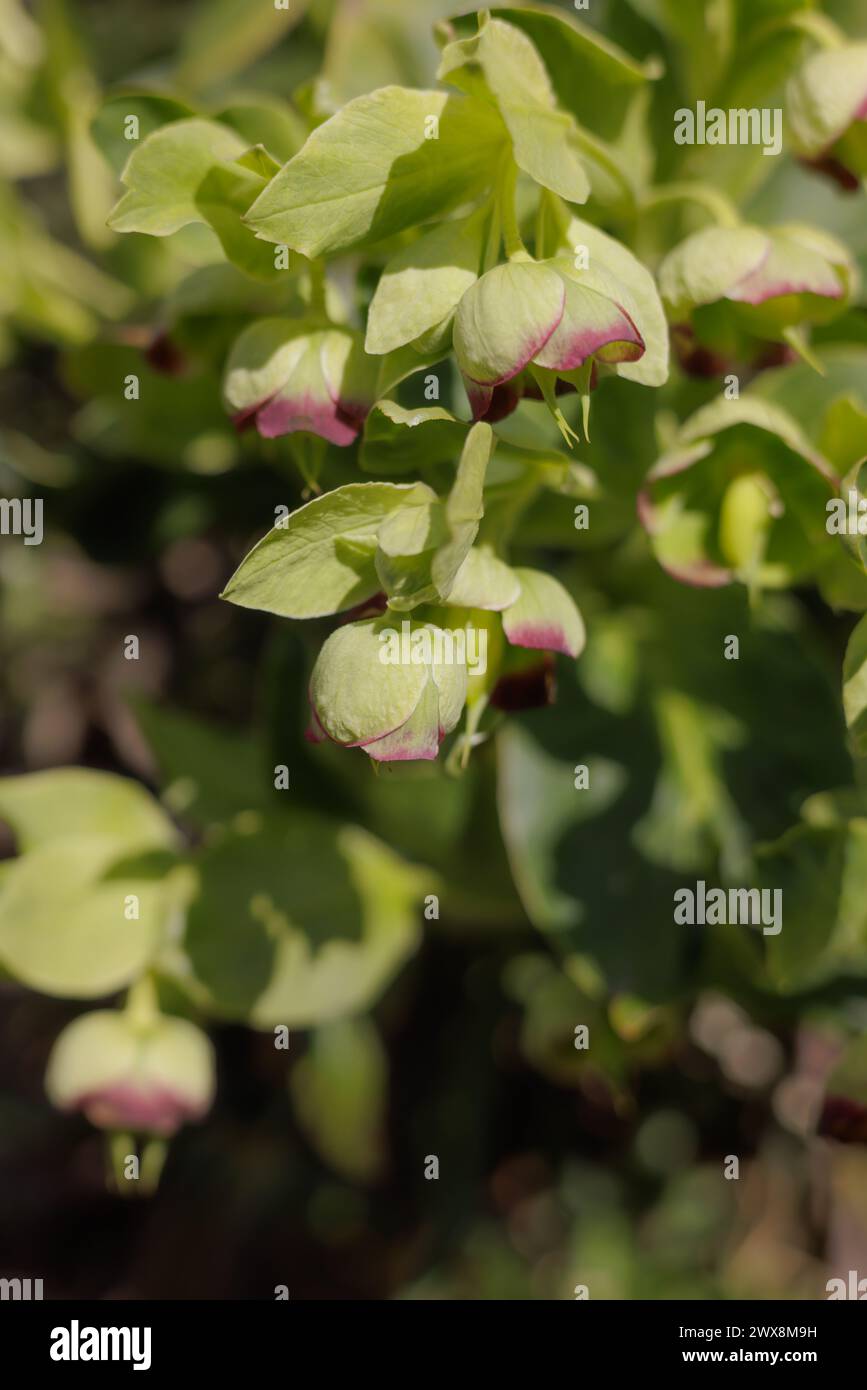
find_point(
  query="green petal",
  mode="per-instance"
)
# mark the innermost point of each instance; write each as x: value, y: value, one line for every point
x: 506, y: 318
x: 634, y: 289
x: 826, y: 95
x: 592, y: 325
x: 416, y: 740
x: 704, y: 268
x: 792, y: 268
x: 357, y: 695
x: 544, y: 617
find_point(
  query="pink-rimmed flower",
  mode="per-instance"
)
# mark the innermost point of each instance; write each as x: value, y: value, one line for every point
x: 728, y: 290
x: 539, y: 321
x: 123, y: 1076
x: 283, y: 378
x: 396, y: 686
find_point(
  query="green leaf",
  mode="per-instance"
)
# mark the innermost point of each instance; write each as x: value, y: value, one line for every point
x: 266, y: 121
x: 397, y: 440
x: 464, y: 507
x: 339, y: 1090
x: 300, y: 924
x: 587, y: 69
x: 422, y: 285
x: 822, y: 875
x: 225, y: 36
x: 165, y: 174
x: 209, y: 773
x: 63, y: 923
x: 320, y: 560
x: 484, y: 581
x: 370, y: 171
x: 538, y: 806
x: 196, y: 171
x: 543, y: 138
x: 721, y: 508
x: 151, y: 109
x: 45, y: 806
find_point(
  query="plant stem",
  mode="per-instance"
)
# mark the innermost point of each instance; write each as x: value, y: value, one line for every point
x: 814, y: 25
x: 317, y: 287
x: 142, y: 1005
x: 720, y: 207
x: 512, y: 242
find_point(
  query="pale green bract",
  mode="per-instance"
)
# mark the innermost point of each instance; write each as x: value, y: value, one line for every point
x: 320, y: 560
x: 422, y: 285
x: 544, y: 140
x: 382, y: 163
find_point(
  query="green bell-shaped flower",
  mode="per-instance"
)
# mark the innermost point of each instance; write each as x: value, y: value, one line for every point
x: 389, y: 685
x: 284, y: 377
x: 545, y: 317
x: 733, y: 285
x: 826, y: 103
x: 147, y: 1077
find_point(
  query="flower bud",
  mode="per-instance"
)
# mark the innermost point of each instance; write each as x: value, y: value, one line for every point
x: 145, y: 1078
x: 392, y: 687
x: 827, y: 110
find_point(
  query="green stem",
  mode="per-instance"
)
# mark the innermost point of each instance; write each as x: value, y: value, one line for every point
x: 495, y: 231
x: 720, y: 208
x: 512, y: 242
x: 317, y: 287
x: 814, y: 25
x: 142, y: 1004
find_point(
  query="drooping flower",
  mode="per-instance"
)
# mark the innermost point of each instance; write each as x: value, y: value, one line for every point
x: 730, y: 285
x: 826, y: 103
x: 391, y: 686
x: 123, y: 1076
x: 283, y: 378
x: 544, y: 321
x: 396, y: 686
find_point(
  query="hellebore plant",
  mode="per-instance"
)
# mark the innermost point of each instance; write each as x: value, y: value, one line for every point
x: 422, y: 290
